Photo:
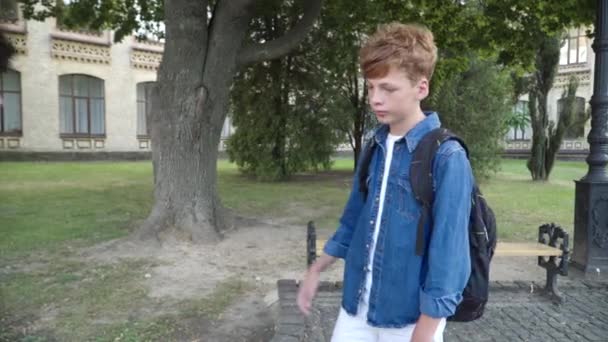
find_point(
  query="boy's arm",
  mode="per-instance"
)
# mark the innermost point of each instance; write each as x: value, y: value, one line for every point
x: 336, y: 247
x: 448, y: 258
x: 338, y: 244
x: 425, y: 329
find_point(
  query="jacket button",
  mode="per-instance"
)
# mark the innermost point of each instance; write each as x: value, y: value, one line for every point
x: 371, y: 222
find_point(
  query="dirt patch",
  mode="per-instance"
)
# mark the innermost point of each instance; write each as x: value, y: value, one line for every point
x: 261, y: 254
x: 258, y: 253
x: 249, y: 320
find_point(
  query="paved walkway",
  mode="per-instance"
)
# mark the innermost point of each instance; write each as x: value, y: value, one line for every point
x: 516, y: 312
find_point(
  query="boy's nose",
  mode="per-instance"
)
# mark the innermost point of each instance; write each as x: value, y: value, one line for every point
x: 375, y: 99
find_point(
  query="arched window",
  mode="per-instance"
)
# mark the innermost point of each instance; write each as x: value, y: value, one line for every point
x: 82, y: 105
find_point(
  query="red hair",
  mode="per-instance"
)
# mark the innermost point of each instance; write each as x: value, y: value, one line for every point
x: 409, y: 47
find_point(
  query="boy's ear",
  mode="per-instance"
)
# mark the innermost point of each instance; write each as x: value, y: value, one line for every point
x: 423, y: 88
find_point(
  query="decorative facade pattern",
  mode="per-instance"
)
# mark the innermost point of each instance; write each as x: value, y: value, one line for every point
x: 80, y: 51
x: 146, y: 55
x: 19, y: 42
x: 148, y: 60
x: 583, y: 76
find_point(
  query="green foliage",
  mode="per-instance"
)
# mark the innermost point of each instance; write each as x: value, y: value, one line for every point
x: 484, y: 29
x: 569, y: 118
x: 123, y: 16
x: 283, y: 109
x: 546, y: 135
x: 475, y: 105
x: 515, y: 28
x: 518, y: 120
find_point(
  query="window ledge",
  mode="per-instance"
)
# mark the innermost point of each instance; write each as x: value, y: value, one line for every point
x: 81, y: 136
x: 148, y: 46
x: 17, y: 26
x: 575, y: 66
x: 102, y: 38
x: 11, y: 134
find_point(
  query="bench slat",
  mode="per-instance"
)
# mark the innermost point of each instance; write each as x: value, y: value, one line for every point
x: 503, y: 249
x: 526, y: 249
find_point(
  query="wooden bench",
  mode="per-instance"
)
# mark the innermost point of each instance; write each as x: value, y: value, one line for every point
x: 551, y: 249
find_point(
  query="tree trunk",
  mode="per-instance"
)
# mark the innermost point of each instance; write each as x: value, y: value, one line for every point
x: 190, y: 105
x: 547, y: 60
x: 358, y: 137
x: 187, y: 205
x: 358, y: 100
x: 199, y: 62
x: 279, y: 116
x: 536, y: 163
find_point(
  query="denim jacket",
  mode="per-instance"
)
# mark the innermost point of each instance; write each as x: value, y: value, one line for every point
x: 405, y: 285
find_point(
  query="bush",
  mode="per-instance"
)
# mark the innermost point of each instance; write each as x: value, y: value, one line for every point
x: 475, y: 104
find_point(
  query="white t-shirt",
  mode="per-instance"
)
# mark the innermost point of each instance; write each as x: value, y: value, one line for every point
x: 390, y: 143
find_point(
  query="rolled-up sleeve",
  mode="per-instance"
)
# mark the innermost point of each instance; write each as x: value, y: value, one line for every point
x: 337, y: 245
x: 448, y: 258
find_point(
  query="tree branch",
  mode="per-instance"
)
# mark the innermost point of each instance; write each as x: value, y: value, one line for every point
x: 256, y: 52
x: 351, y: 140
x: 227, y: 30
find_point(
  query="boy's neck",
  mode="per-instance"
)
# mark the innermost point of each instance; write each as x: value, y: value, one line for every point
x: 402, y: 127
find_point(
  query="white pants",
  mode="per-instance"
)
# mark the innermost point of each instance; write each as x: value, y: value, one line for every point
x: 355, y: 329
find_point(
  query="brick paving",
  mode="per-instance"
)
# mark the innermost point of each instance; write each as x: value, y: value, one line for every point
x: 517, y: 311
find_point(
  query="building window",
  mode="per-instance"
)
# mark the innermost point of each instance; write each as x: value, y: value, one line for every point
x: 574, y: 48
x: 144, y: 105
x: 81, y: 106
x: 10, y: 103
x: 519, y: 122
x: 577, y: 130
x: 9, y: 11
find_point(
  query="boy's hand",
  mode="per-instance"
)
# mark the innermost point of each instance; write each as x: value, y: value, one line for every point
x: 308, y: 287
x: 308, y: 290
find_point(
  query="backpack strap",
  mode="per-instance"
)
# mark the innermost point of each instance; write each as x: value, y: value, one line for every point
x: 421, y: 176
x: 366, y: 159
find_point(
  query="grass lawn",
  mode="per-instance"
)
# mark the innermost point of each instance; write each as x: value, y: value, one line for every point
x: 521, y: 205
x: 48, y: 209
x: 46, y: 204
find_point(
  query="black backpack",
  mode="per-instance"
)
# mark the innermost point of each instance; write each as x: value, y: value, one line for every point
x: 482, y: 223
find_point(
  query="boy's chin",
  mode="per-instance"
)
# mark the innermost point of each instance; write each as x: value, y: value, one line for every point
x: 384, y: 120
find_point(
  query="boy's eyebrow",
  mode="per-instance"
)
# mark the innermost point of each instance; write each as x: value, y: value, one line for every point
x: 382, y: 83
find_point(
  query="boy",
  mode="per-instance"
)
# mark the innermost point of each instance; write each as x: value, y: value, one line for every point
x: 390, y: 293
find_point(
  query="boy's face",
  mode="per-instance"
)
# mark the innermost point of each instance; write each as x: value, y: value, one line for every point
x: 394, y: 98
